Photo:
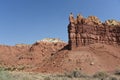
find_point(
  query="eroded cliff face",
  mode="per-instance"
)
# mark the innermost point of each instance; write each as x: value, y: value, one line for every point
x: 84, y: 31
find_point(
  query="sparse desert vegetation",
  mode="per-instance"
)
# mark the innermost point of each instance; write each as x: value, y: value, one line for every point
x: 74, y: 75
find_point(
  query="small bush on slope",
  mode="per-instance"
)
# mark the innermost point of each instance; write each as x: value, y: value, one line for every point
x: 101, y: 75
x: 4, y: 75
x: 76, y: 74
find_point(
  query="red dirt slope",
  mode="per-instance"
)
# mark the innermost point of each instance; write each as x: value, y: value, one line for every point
x: 89, y: 59
x: 54, y: 57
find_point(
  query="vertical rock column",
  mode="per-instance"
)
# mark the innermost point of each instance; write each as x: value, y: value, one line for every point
x: 72, y: 33
x: 79, y: 30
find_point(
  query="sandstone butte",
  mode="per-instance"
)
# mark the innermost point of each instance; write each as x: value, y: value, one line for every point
x: 93, y: 46
x: 84, y: 31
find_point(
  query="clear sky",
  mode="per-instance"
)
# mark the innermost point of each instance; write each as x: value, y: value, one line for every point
x: 26, y: 21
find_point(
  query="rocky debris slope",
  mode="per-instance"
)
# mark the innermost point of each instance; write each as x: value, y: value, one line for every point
x: 9, y: 54
x: 22, y: 54
x: 84, y: 31
x: 89, y: 59
x: 44, y: 49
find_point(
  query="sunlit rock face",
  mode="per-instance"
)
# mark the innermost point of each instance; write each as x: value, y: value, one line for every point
x: 84, y: 31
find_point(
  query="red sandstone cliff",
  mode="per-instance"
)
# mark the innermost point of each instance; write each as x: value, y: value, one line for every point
x: 84, y: 31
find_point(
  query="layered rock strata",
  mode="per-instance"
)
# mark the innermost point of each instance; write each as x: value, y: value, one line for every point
x: 84, y: 31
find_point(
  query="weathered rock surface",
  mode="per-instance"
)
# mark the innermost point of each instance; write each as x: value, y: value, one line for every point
x: 84, y: 31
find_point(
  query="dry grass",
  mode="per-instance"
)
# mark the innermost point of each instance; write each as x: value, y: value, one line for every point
x: 75, y: 75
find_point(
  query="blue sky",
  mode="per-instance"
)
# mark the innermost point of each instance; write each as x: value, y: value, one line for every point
x: 26, y: 21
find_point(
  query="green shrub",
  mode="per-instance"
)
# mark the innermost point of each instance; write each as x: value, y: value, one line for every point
x: 113, y: 78
x: 117, y: 72
x: 4, y: 75
x: 100, y: 75
x: 47, y: 78
x: 21, y: 67
x: 75, y: 74
x: 7, y: 68
x: 2, y: 68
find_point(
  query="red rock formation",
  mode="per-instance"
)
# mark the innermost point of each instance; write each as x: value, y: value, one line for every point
x: 84, y: 31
